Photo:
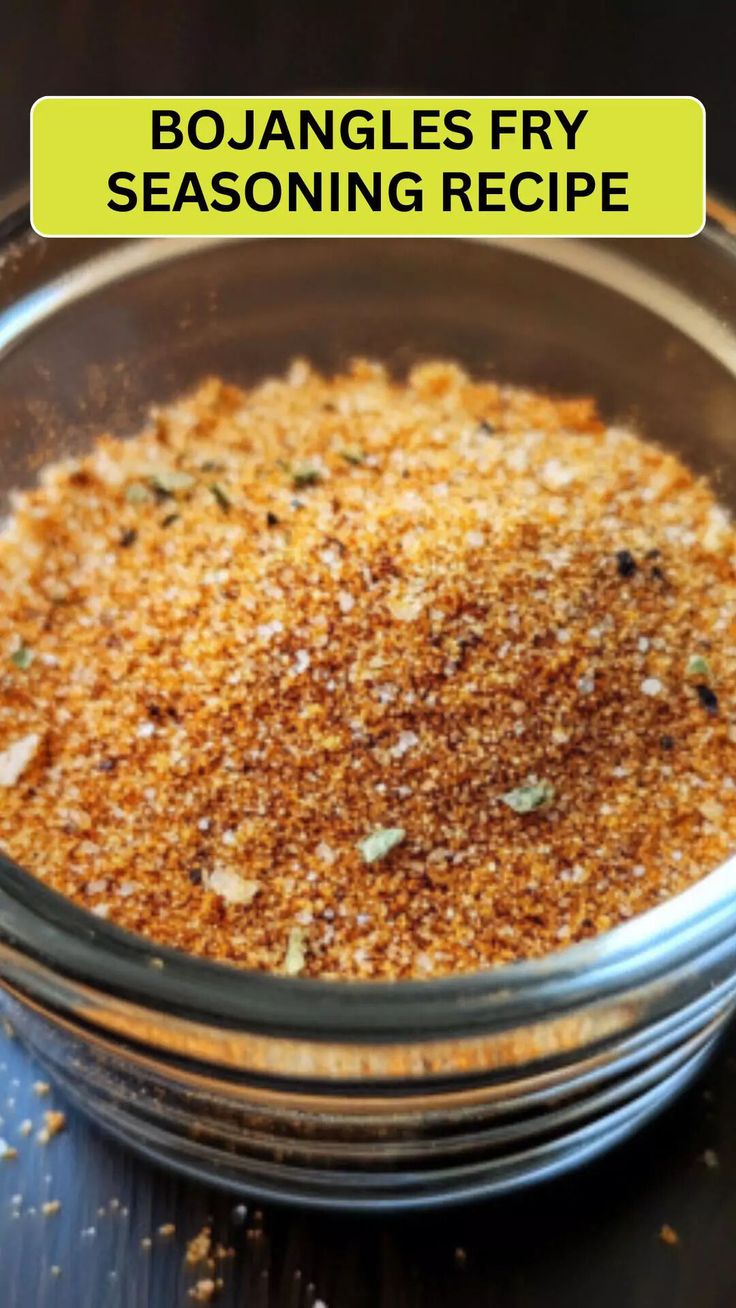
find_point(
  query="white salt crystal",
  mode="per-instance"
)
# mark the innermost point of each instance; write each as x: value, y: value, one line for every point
x: 15, y: 759
x: 233, y: 888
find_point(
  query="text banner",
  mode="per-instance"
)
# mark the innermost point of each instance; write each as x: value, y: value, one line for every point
x: 367, y: 166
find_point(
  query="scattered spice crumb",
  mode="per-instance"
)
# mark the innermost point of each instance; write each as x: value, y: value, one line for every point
x: 6, y: 1150
x: 25, y: 1127
x: 167, y: 1229
x: 54, y: 1122
x: 50, y: 1207
x: 199, y: 1247
x: 668, y: 1235
x: 204, y: 1291
x: 41, y: 1088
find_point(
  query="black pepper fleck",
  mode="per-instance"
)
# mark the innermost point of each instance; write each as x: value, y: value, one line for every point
x: 272, y: 519
x: 170, y: 519
x: 626, y: 563
x: 128, y: 538
x: 667, y: 742
x: 707, y: 697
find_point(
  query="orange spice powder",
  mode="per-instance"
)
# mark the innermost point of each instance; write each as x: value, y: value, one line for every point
x: 356, y: 678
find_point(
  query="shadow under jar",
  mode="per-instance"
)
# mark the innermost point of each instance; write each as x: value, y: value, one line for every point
x: 367, y: 1095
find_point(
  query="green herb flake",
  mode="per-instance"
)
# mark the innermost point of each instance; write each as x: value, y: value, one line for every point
x: 296, y: 958
x: 698, y: 666
x: 137, y: 493
x: 22, y: 657
x: 221, y: 496
x: 380, y: 843
x: 170, y: 481
x: 530, y: 798
x: 353, y: 456
x: 305, y: 474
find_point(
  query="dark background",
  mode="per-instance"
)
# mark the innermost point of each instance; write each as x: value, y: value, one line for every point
x: 591, y: 1240
x: 604, y: 47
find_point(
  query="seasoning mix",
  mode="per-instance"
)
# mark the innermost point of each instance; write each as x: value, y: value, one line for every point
x: 356, y: 678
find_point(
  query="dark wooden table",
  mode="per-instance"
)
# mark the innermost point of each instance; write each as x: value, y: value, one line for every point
x: 590, y: 1240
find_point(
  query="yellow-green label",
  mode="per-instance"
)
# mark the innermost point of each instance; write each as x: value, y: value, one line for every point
x: 367, y: 166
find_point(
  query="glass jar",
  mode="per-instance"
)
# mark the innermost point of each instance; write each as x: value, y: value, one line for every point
x: 367, y: 1095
